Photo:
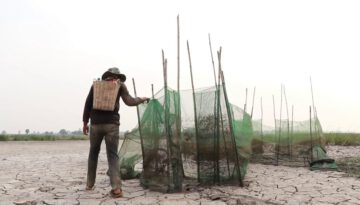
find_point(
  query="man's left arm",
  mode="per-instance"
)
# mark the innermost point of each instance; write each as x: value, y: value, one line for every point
x: 87, y: 110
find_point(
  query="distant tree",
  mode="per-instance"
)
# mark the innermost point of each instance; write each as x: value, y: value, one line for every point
x: 3, y: 132
x: 77, y: 132
x: 48, y: 133
x: 63, y: 132
x: 27, y: 131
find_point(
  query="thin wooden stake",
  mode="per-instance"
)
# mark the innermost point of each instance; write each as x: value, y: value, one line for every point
x: 166, y: 123
x: 261, y: 122
x: 280, y: 120
x: 218, y: 116
x: 152, y: 91
x: 312, y: 96
x: 246, y: 95
x: 292, y: 129
x: 219, y: 69
x: 178, y: 110
x: 318, y: 129
x: 230, y: 120
x: 139, y: 124
x: 313, y: 106
x: 311, y: 137
x: 178, y: 54
x: 288, y: 123
x: 217, y: 135
x: 195, y: 116
x: 212, y: 60
x: 217, y: 90
x: 252, y: 107
x: 275, y: 136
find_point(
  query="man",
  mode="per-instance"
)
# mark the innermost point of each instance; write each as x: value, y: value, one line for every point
x: 105, y: 124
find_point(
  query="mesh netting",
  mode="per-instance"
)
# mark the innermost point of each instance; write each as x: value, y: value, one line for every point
x: 292, y: 143
x: 213, y: 148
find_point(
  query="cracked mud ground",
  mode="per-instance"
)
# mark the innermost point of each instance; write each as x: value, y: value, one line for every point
x: 55, y: 173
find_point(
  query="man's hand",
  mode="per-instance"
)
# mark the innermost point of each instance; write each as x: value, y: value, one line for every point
x: 85, y: 129
x: 145, y: 99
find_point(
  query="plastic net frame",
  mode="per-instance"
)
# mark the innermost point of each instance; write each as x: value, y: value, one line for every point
x: 206, y: 158
x: 291, y: 143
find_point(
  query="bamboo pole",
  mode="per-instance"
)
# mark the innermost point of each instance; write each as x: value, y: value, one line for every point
x: 288, y: 123
x: 225, y: 143
x: 217, y: 107
x: 277, y: 162
x: 252, y: 107
x: 217, y: 125
x: 261, y: 121
x: 318, y: 129
x: 292, y: 129
x: 219, y: 67
x: 312, y: 96
x: 218, y: 118
x: 246, y: 95
x: 154, y: 127
x: 212, y: 59
x: 314, y: 110
x: 178, y: 110
x: 230, y: 121
x: 139, y: 124
x: 178, y: 121
x: 195, y: 116
x: 280, y: 120
x: 218, y: 114
x: 166, y: 123
x: 178, y: 54
x: 311, y: 137
x: 237, y: 164
x: 152, y: 91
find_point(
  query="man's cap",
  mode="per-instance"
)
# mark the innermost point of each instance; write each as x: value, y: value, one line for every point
x: 114, y: 72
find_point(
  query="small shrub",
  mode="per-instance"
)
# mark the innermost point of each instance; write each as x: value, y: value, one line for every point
x: 4, y: 138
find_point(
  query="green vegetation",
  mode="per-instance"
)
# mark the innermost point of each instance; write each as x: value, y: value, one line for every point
x: 38, y: 137
x: 343, y: 139
x: 331, y: 138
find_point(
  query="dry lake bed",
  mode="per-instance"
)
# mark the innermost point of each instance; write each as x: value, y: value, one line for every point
x: 54, y: 172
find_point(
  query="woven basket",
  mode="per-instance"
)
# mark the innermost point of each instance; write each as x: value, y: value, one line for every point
x: 105, y: 93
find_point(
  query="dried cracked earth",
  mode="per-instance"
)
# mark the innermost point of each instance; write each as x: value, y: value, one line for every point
x: 55, y: 173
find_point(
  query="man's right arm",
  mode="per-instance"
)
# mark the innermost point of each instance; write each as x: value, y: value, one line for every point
x: 129, y: 100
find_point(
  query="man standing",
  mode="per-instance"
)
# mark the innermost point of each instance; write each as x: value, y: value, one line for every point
x: 105, y: 123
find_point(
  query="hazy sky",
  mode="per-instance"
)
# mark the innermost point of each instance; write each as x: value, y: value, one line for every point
x: 50, y: 52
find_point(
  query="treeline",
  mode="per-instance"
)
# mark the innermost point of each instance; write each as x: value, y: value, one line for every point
x: 40, y: 137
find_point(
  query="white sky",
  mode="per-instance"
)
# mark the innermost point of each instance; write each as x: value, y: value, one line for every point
x: 50, y: 51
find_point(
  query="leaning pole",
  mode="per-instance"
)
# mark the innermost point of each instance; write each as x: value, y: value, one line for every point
x: 139, y: 124
x: 230, y: 120
x: 195, y: 115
